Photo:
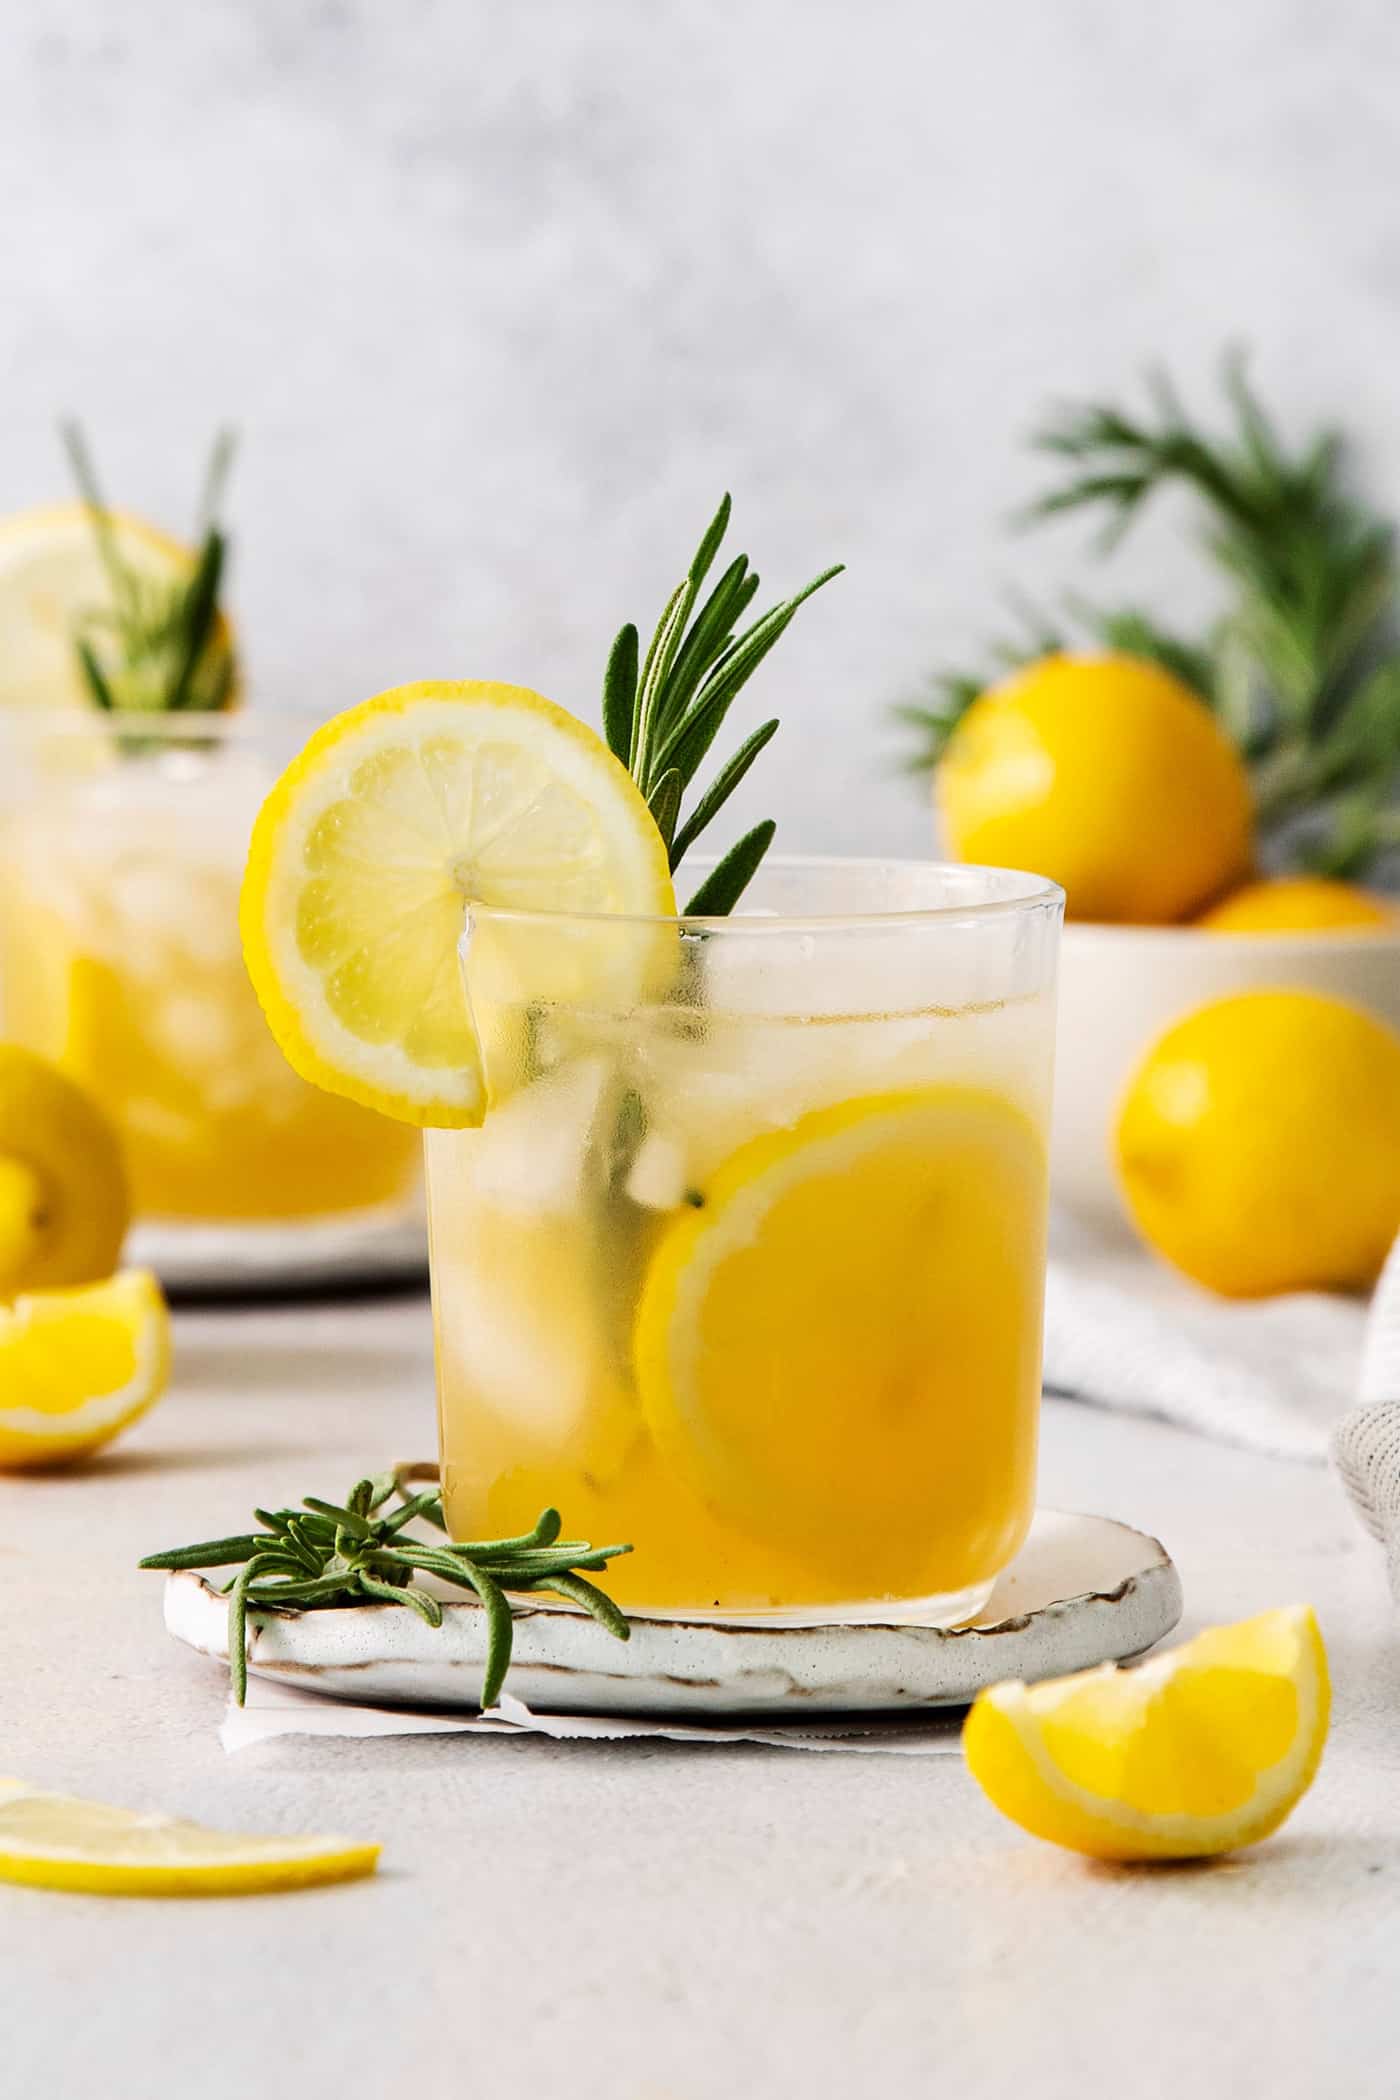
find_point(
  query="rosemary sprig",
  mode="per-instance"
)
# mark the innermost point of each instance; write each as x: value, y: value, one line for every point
x: 159, y: 648
x: 329, y: 1554
x: 1303, y: 663
x: 663, y: 711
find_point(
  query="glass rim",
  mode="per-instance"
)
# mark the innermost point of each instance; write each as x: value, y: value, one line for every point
x: 160, y: 724
x: 1036, y: 893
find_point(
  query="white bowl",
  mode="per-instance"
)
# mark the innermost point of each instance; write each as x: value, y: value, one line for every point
x: 1121, y: 986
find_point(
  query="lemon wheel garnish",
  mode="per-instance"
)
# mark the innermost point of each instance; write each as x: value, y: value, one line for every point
x: 56, y: 1841
x: 77, y: 1366
x: 839, y: 1338
x: 1205, y: 1748
x: 52, y: 575
x: 369, y: 849
x: 64, y: 1205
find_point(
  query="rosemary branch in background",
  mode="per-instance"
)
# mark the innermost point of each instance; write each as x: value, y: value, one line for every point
x: 329, y: 1554
x: 1302, y: 665
x: 662, y: 712
x: 158, y: 647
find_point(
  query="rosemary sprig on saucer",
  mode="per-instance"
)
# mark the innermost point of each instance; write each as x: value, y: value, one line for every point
x: 330, y: 1554
x: 662, y: 712
x: 158, y: 648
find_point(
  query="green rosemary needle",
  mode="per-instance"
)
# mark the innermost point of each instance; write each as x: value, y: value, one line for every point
x: 663, y: 711
x: 329, y: 1554
x: 159, y: 648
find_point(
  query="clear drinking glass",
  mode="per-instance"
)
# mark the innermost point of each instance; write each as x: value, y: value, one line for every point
x: 745, y: 1264
x: 122, y: 844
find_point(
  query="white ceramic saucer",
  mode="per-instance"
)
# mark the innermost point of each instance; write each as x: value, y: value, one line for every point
x: 1083, y: 1590
x: 249, y: 1261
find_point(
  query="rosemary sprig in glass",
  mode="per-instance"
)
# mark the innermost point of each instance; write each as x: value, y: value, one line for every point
x: 329, y: 1554
x: 663, y: 711
x: 158, y: 648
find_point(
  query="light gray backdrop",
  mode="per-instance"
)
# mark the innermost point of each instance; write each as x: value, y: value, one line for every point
x: 502, y: 296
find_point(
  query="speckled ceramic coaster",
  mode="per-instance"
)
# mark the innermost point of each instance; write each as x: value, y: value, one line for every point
x: 1083, y: 1590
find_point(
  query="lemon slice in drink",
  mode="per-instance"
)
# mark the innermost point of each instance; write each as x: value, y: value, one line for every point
x: 369, y: 849
x: 56, y: 1841
x: 51, y: 575
x: 1197, y: 1751
x: 77, y: 1366
x: 838, y: 1338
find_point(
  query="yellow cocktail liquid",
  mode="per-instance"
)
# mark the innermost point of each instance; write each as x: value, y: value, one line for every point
x: 761, y: 1296
x: 120, y: 960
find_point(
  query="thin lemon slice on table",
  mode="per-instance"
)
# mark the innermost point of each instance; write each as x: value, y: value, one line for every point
x: 56, y: 1841
x: 52, y: 576
x: 77, y: 1366
x: 394, y: 818
x: 64, y: 1204
x: 838, y: 1339
x: 1198, y: 1751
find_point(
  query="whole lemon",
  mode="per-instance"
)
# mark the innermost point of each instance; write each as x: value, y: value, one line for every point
x: 1258, y: 1144
x: 1301, y: 904
x: 1106, y: 774
x: 64, y: 1207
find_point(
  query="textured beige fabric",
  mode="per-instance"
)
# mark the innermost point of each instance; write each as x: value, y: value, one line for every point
x: 1366, y: 1445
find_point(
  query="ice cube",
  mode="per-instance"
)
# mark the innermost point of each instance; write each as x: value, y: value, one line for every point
x: 528, y: 1157
x: 659, y: 1177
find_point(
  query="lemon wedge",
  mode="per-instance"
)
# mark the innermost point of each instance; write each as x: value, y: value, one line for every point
x: 369, y: 849
x: 55, y: 1841
x: 77, y: 1366
x: 51, y: 574
x: 64, y: 1206
x: 838, y: 1339
x: 1198, y: 1751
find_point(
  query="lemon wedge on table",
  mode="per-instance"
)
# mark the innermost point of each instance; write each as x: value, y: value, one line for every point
x: 1197, y: 1751
x: 64, y: 1205
x: 77, y: 1366
x: 52, y: 575
x: 56, y: 1841
x: 368, y: 850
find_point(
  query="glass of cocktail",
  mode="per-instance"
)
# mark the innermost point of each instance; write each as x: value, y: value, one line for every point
x: 736, y: 1204
x: 745, y: 1262
x: 122, y: 842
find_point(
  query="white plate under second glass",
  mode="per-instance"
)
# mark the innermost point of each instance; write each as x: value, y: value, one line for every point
x: 284, y: 1258
x: 1083, y: 1590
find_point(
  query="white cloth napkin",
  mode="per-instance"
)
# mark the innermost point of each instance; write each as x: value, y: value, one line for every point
x: 1366, y: 1445
x: 1275, y: 1375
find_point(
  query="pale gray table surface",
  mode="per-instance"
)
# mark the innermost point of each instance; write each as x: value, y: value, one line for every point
x: 654, y: 1922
